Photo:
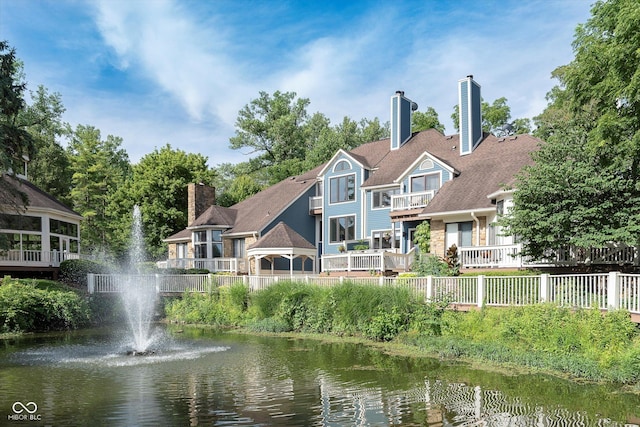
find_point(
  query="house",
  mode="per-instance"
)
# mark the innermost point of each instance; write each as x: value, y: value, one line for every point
x: 38, y: 238
x: 361, y: 208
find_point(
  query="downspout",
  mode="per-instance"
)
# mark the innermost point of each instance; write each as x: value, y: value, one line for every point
x: 477, y: 220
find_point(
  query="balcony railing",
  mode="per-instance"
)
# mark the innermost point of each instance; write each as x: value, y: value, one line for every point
x: 228, y: 265
x: 411, y: 200
x: 34, y: 258
x: 315, y: 203
x: 378, y: 261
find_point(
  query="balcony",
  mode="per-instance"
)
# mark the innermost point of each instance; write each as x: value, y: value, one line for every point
x: 370, y: 261
x: 216, y: 265
x: 408, y: 206
x: 315, y: 205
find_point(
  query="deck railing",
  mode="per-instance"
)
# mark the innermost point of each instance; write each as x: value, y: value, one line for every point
x: 411, y: 200
x: 603, y: 291
x: 217, y: 265
x: 35, y: 258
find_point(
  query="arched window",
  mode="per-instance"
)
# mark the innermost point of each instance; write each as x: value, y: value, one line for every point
x: 427, y: 164
x: 342, y: 165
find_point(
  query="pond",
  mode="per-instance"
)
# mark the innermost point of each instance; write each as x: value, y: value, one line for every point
x: 203, y: 377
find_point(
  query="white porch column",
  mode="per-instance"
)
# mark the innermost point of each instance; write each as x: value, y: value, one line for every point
x: 480, y: 293
x: 613, y: 290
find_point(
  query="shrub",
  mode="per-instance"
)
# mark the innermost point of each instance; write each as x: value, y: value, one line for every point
x: 24, y: 308
x: 74, y: 271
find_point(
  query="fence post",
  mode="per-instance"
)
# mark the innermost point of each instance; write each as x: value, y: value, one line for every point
x: 91, y: 282
x: 210, y: 283
x: 381, y: 280
x: 341, y: 280
x: 613, y: 290
x: 544, y: 287
x: 480, y: 293
x: 429, y: 288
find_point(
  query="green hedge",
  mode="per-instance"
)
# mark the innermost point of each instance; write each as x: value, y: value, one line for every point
x: 25, y: 307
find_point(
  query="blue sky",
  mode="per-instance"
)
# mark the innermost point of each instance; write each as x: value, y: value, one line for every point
x: 165, y: 71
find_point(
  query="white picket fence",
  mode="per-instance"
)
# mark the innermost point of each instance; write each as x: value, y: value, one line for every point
x: 603, y: 291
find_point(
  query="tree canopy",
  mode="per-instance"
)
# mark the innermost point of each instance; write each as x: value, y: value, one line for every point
x: 17, y: 144
x: 158, y: 184
x: 495, y: 117
x: 584, y: 188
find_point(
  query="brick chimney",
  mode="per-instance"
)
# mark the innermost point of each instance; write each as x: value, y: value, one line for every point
x: 200, y: 197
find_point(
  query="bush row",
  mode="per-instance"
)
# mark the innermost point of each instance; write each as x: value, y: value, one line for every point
x: 40, y: 306
x: 584, y: 343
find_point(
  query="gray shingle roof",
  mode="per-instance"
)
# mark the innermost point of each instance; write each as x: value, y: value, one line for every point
x: 256, y: 212
x: 492, y: 165
x: 216, y: 215
x: 37, y: 197
x: 282, y: 236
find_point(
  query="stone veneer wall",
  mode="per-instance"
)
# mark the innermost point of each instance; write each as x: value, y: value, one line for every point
x: 437, y: 237
x: 199, y: 198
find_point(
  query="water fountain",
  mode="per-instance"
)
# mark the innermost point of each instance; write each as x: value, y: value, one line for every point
x: 139, y: 295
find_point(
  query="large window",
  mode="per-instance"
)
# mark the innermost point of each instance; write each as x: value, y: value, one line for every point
x: 459, y: 233
x: 200, y: 244
x: 382, y: 239
x: 20, y: 222
x: 62, y: 227
x: 238, y: 248
x: 216, y: 243
x: 382, y: 198
x: 343, y: 188
x: 425, y: 182
x: 342, y: 228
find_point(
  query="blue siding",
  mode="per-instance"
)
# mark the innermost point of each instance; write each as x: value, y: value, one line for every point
x: 377, y: 219
x: 344, y: 208
x: 437, y: 167
x: 297, y: 217
x: 476, y: 114
x: 465, y: 146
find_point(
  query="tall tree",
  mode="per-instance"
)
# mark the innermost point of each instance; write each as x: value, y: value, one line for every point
x: 49, y: 167
x: 158, y: 185
x: 272, y: 126
x: 426, y: 120
x: 99, y: 168
x: 584, y: 188
x: 495, y: 118
x: 15, y: 142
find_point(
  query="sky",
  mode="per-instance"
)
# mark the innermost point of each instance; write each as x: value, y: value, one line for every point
x: 157, y: 72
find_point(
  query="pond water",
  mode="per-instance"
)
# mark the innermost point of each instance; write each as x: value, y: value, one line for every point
x: 202, y: 377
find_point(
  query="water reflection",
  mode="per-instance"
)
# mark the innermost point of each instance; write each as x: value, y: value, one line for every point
x: 222, y: 379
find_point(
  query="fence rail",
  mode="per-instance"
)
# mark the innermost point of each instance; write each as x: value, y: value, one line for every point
x: 603, y: 291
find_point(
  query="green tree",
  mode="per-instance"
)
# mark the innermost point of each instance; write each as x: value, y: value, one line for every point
x: 426, y: 120
x: 495, y: 118
x: 15, y: 142
x: 99, y: 168
x: 422, y: 237
x: 158, y: 185
x: 49, y: 167
x: 272, y: 126
x: 585, y: 181
x: 241, y: 188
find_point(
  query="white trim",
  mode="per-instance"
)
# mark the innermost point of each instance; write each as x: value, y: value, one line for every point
x: 499, y: 193
x: 415, y: 165
x: 439, y: 215
x: 333, y: 170
x: 339, y: 153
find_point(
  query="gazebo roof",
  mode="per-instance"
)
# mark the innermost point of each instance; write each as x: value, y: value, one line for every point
x: 282, y: 237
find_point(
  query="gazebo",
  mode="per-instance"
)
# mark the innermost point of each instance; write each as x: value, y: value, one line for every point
x: 281, y: 242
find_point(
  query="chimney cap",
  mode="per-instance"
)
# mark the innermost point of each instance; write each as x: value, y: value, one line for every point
x: 400, y: 92
x: 470, y: 76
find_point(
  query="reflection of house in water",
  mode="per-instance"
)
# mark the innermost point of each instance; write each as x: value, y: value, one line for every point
x: 446, y: 404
